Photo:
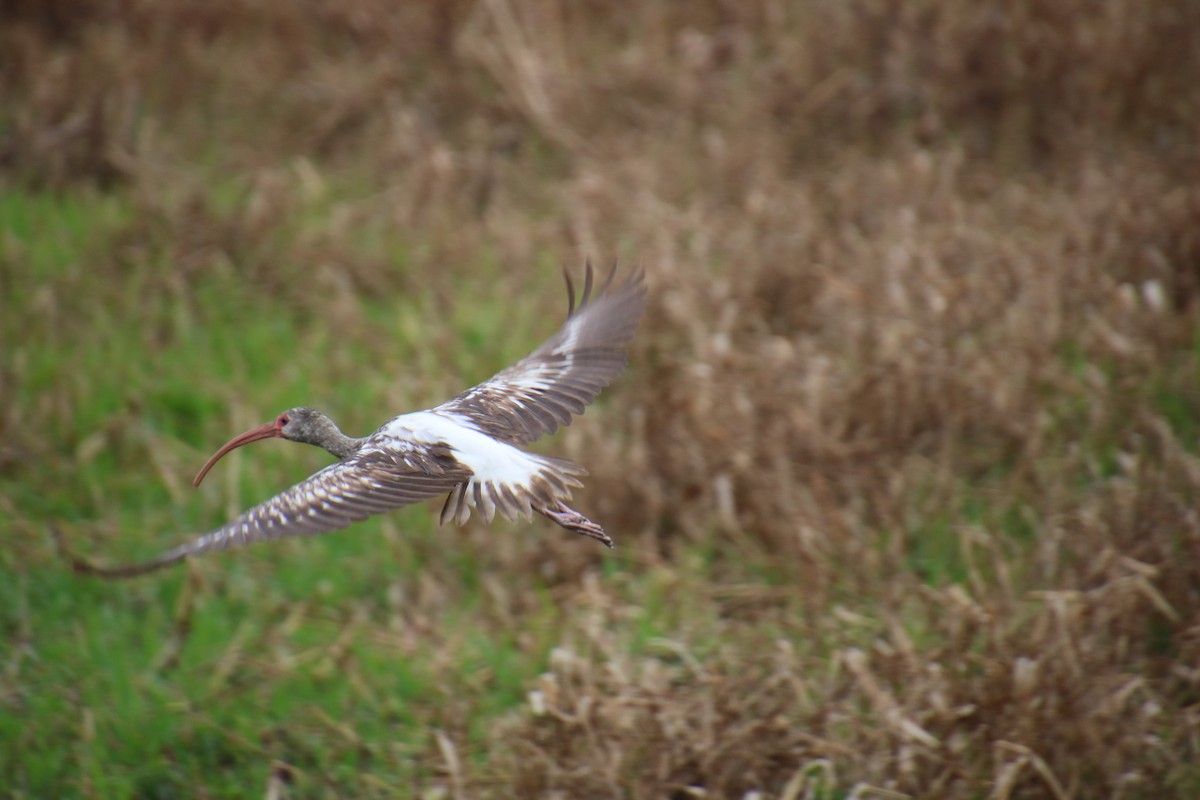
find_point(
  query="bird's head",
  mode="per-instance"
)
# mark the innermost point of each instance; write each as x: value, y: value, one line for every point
x: 301, y: 424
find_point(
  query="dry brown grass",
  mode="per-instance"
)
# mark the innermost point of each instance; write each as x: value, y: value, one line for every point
x: 918, y: 385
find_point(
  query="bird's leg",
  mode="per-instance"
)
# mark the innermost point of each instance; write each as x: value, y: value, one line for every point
x: 572, y: 520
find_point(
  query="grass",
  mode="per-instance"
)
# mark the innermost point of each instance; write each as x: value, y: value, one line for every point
x: 902, y: 474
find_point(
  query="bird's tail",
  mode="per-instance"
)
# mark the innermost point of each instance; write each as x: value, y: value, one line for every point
x: 550, y: 480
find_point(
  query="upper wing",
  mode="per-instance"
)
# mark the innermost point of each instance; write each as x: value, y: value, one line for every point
x: 374, y: 480
x: 544, y: 389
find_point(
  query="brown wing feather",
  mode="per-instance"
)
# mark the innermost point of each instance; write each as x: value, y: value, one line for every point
x: 372, y: 481
x: 558, y: 380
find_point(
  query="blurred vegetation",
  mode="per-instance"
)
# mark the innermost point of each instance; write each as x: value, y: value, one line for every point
x: 903, y: 475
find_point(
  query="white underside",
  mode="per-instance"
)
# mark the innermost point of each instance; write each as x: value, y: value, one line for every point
x: 491, y: 461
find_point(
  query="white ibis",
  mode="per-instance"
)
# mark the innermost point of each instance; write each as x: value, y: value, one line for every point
x: 467, y: 447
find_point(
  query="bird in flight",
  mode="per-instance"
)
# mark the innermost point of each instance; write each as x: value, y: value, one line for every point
x: 467, y: 448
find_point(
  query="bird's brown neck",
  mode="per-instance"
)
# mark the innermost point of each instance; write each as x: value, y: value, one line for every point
x: 339, y: 444
x: 324, y: 432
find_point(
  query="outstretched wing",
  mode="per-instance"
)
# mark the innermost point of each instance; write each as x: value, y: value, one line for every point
x: 559, y: 379
x: 374, y: 480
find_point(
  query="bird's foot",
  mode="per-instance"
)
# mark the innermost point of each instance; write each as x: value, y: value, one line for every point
x: 572, y: 520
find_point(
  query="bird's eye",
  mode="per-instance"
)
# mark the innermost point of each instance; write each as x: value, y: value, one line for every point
x: 283, y: 420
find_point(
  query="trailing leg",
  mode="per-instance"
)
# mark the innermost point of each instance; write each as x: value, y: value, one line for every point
x: 572, y: 520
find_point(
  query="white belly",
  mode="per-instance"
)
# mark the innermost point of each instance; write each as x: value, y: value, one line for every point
x: 491, y: 461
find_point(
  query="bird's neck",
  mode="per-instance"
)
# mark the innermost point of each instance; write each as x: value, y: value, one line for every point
x: 337, y: 443
x: 343, y: 446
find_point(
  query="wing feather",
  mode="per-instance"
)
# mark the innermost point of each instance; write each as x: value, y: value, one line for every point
x: 561, y: 378
x: 374, y: 480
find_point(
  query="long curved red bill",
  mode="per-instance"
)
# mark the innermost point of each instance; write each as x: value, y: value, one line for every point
x: 269, y: 430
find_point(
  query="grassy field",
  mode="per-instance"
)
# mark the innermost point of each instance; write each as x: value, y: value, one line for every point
x: 904, y: 473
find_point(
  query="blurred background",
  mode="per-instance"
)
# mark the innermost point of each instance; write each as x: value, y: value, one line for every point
x: 903, y: 474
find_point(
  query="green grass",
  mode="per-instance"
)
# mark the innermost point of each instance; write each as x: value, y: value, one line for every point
x: 86, y: 659
x: 145, y: 381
